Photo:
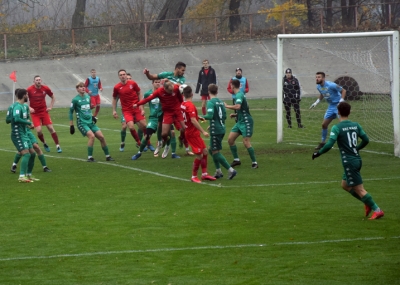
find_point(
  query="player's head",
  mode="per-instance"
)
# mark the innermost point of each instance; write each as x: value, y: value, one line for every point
x: 22, y: 94
x: 319, y: 77
x: 128, y: 76
x: 156, y: 83
x: 344, y: 109
x: 239, y: 72
x: 80, y: 87
x: 180, y: 68
x: 168, y: 86
x: 93, y: 72
x: 16, y: 91
x: 235, y: 84
x: 213, y: 89
x: 206, y: 64
x: 37, y: 81
x: 187, y: 92
x: 122, y: 75
x: 288, y: 73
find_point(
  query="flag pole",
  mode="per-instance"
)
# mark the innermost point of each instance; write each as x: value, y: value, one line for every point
x: 13, y: 92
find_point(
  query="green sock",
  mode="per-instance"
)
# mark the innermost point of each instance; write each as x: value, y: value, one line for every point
x: 123, y: 135
x: 42, y: 160
x: 216, y: 160
x: 173, y: 144
x: 105, y: 149
x: 143, y: 144
x: 31, y: 162
x: 367, y: 200
x: 24, y: 164
x: 251, y: 153
x: 234, y: 151
x: 90, y: 151
x: 140, y: 133
x: 354, y: 194
x: 222, y: 160
x: 169, y: 138
x: 17, y: 157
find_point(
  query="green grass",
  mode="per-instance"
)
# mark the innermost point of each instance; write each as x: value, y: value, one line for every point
x: 288, y: 222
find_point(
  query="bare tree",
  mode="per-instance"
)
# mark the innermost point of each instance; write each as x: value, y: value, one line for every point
x: 234, y: 19
x: 78, y: 18
x: 173, y: 9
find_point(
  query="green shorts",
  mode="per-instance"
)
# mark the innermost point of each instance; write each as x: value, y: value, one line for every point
x: 216, y: 142
x: 31, y: 137
x: 85, y: 128
x: 21, y: 142
x: 152, y: 123
x: 245, y: 129
x: 352, y: 173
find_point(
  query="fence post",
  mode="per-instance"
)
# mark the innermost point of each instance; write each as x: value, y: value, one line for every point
x: 5, y: 46
x: 109, y: 36
x: 322, y: 21
x: 180, y: 31
x: 390, y: 14
x: 215, y: 29
x: 283, y: 23
x: 40, y: 44
x: 73, y: 40
x: 145, y: 35
x: 251, y: 25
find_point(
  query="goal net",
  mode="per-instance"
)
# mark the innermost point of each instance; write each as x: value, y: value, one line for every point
x: 366, y: 65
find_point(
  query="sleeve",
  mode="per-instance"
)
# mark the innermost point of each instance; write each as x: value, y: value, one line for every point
x: 364, y: 138
x: 198, y: 83
x: 148, y: 99
x: 239, y: 98
x: 9, y: 115
x: 299, y: 87
x: 49, y: 92
x: 246, y: 90
x: 136, y: 87
x: 332, y: 139
x: 214, y: 77
x: 191, y: 111
x: 99, y: 85
x: 115, y: 92
x: 229, y: 87
x: 210, y: 111
x: 71, y: 110
x: 178, y: 94
x: 17, y: 117
x: 338, y: 87
x: 162, y: 75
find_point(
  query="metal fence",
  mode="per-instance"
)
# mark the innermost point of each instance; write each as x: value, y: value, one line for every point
x: 125, y: 37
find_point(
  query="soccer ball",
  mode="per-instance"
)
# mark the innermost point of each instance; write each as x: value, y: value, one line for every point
x: 181, y: 87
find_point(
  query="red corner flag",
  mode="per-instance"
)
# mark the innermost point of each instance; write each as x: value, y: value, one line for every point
x: 13, y: 76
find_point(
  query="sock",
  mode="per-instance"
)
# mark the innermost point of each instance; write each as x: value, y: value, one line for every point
x: 203, y: 110
x: 196, y: 165
x: 96, y: 111
x: 140, y: 134
x: 31, y: 162
x: 216, y: 160
x: 143, y: 144
x: 55, y: 137
x: 234, y: 152
x: 24, y: 164
x: 42, y: 160
x: 123, y: 135
x: 159, y: 137
x: 135, y: 136
x: 17, y: 157
x: 173, y: 144
x: 222, y: 160
x: 105, y: 150
x: 324, y: 134
x: 251, y: 153
x: 41, y: 137
x: 367, y: 200
x: 354, y: 194
x: 204, y: 164
x: 90, y: 151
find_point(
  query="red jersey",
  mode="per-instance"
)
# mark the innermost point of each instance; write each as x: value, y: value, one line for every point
x: 169, y: 102
x: 37, y: 97
x: 189, y: 111
x: 128, y: 94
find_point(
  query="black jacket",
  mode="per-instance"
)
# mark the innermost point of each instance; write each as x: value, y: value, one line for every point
x: 205, y: 80
x: 291, y: 89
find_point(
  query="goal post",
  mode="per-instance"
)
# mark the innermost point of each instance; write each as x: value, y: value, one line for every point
x: 366, y: 65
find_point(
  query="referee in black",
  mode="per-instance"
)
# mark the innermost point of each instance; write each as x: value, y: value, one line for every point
x: 291, y: 96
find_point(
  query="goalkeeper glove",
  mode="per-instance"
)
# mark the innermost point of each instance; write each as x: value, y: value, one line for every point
x: 315, y: 155
x: 94, y: 119
x: 341, y: 100
x: 72, y: 129
x: 314, y: 104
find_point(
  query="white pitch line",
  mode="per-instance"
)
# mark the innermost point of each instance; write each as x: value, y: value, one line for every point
x: 363, y: 150
x: 191, y: 248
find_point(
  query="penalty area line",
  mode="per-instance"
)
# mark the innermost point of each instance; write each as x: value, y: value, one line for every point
x: 192, y: 248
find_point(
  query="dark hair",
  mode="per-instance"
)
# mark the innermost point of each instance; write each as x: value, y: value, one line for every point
x: 121, y: 70
x: 16, y: 91
x: 36, y: 76
x: 21, y: 93
x: 179, y: 64
x: 213, y: 89
x: 344, y: 109
x: 187, y: 92
x: 128, y: 74
x: 321, y: 73
x: 235, y: 83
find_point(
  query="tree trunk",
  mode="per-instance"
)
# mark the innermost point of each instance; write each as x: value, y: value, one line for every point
x: 173, y: 9
x: 310, y: 18
x: 234, y: 20
x: 347, y: 12
x: 343, y: 4
x: 329, y: 13
x: 78, y: 18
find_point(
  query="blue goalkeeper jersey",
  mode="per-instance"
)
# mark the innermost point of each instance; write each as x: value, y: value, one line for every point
x: 331, y: 92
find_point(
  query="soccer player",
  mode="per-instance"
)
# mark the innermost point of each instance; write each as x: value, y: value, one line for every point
x: 129, y: 94
x: 243, y: 126
x: 207, y: 76
x: 216, y: 114
x: 93, y: 85
x: 334, y: 94
x: 192, y: 135
x: 346, y: 133
x: 81, y: 106
x: 244, y: 85
x: 17, y: 115
x: 40, y: 112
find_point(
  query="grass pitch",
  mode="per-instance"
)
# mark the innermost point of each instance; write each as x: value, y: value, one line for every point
x: 144, y: 222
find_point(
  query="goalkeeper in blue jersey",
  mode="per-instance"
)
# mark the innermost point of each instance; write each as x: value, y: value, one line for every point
x: 334, y: 94
x: 346, y: 133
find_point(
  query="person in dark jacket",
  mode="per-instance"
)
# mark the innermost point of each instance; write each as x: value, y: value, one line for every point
x: 207, y: 76
x: 291, y: 97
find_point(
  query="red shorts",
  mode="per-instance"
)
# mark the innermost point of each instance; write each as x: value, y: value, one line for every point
x: 94, y: 101
x: 196, y: 142
x: 205, y: 97
x: 134, y: 115
x: 170, y: 117
x: 41, y: 119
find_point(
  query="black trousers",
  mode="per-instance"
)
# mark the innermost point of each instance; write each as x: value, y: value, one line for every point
x: 296, y: 106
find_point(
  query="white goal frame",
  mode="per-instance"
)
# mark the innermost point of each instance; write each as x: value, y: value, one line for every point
x: 395, y: 86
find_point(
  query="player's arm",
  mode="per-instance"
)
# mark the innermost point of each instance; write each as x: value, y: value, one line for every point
x: 197, y: 126
x: 86, y: 86
x: 316, y: 102
x: 114, y: 103
x: 364, y: 139
x: 17, y: 118
x: 247, y: 88
x: 141, y: 107
x: 210, y: 111
x: 53, y: 99
x: 343, y: 92
x: 214, y: 77
x: 229, y: 87
x: 198, y: 83
x: 71, y: 118
x: 149, y: 75
x: 234, y: 107
x: 100, y: 86
x: 328, y: 146
x: 146, y: 100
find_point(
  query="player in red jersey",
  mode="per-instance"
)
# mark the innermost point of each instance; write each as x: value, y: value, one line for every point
x: 192, y: 135
x: 40, y: 112
x: 128, y: 92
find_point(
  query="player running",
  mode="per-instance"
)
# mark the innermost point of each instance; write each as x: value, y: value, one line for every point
x: 81, y: 106
x: 216, y: 114
x: 346, y: 133
x: 243, y: 126
x: 192, y: 135
x: 334, y: 94
x: 40, y: 112
x: 93, y: 86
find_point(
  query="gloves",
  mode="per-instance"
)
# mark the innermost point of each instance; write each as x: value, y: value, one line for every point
x: 314, y: 104
x: 94, y: 119
x: 315, y: 155
x: 341, y: 100
x: 72, y: 129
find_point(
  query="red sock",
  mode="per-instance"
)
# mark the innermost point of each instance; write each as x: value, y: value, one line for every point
x: 55, y: 137
x: 41, y: 137
x: 135, y: 136
x: 203, y: 110
x: 97, y: 111
x: 204, y: 164
x: 196, y: 165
